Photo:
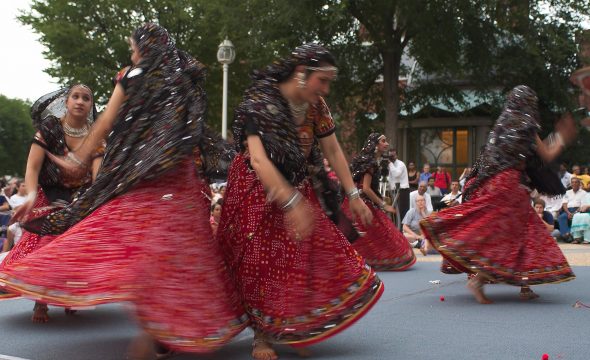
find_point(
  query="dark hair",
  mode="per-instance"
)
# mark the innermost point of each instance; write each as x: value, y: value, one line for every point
x: 18, y: 183
x: 214, y: 205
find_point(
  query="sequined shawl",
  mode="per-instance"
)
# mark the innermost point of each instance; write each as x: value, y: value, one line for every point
x: 511, y: 143
x: 158, y: 126
x: 366, y: 161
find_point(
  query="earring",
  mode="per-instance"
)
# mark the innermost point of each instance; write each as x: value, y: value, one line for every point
x: 300, y: 80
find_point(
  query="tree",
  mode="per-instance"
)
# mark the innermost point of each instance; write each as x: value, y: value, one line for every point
x: 490, y: 44
x: 16, y: 132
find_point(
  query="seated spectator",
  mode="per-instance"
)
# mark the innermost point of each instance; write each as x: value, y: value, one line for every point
x: 454, y: 197
x: 545, y: 216
x: 215, y: 217
x: 553, y: 204
x: 422, y: 192
x: 442, y: 180
x: 20, y: 197
x: 219, y: 194
x: 432, y: 189
x: 10, y: 189
x: 411, y: 224
x: 581, y: 223
x: 571, y: 203
x: 425, y: 174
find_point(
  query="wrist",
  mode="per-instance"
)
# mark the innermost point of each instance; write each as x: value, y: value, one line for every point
x: 292, y: 201
x: 31, y: 196
x: 353, y: 193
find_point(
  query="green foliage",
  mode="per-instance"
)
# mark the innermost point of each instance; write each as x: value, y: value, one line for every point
x: 16, y: 132
x: 488, y: 44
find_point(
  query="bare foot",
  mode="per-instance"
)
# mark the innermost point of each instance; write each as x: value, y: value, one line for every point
x: 263, y: 350
x: 40, y: 313
x: 476, y: 288
x: 69, y: 311
x: 527, y: 294
x: 142, y: 348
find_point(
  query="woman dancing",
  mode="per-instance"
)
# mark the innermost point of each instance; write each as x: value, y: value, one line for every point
x: 62, y: 120
x: 383, y: 246
x: 140, y: 233
x: 300, y: 280
x: 495, y: 233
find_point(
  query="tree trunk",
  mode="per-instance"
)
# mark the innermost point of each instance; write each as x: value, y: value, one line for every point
x: 391, y: 93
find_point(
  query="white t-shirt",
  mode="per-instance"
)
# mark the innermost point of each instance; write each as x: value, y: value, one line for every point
x: 452, y: 197
x: 398, y: 173
x: 16, y: 200
x: 571, y: 198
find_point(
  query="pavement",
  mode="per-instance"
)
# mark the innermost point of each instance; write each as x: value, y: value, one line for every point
x: 409, y: 322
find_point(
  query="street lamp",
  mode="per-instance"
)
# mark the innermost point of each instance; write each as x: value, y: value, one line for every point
x: 225, y: 55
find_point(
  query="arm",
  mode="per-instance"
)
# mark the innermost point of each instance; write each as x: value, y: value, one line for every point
x: 34, y: 163
x: 96, y: 163
x: 547, y: 152
x: 102, y: 126
x: 371, y: 194
x: 278, y: 189
x: 332, y: 151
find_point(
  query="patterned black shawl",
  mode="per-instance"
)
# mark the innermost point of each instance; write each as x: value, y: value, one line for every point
x: 511, y: 144
x: 264, y: 111
x: 158, y: 126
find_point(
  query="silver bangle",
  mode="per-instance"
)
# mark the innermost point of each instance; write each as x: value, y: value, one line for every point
x: 293, y: 200
x: 353, y: 193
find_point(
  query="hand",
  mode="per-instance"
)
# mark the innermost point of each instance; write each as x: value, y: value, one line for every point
x: 360, y: 211
x: 23, y: 210
x: 389, y: 209
x: 566, y: 126
x: 299, y: 224
x: 70, y: 165
x: 570, y: 215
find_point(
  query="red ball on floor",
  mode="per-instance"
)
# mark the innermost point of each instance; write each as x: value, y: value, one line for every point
x: 545, y: 357
x: 442, y: 298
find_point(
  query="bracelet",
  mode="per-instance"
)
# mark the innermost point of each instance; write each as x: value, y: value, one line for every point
x: 293, y: 200
x: 353, y: 193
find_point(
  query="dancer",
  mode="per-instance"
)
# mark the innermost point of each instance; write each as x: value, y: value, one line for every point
x: 140, y: 233
x: 495, y: 232
x: 383, y: 246
x: 300, y: 280
x: 62, y: 120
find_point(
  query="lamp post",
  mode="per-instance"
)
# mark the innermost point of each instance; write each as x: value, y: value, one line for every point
x: 225, y: 55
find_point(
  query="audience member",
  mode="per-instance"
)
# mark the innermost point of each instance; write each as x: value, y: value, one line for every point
x: 398, y: 176
x: 422, y: 192
x: 442, y: 180
x: 425, y: 174
x: 413, y: 176
x: 571, y: 203
x: 581, y: 222
x: 545, y: 216
x: 411, y: 224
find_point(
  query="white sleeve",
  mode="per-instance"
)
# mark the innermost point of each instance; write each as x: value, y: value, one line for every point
x: 428, y: 202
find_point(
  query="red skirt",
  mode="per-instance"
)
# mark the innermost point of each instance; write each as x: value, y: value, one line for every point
x: 498, y: 233
x: 295, y: 292
x: 151, y: 246
x: 29, y: 242
x: 383, y: 246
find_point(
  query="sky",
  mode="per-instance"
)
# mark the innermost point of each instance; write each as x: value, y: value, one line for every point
x: 22, y: 62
